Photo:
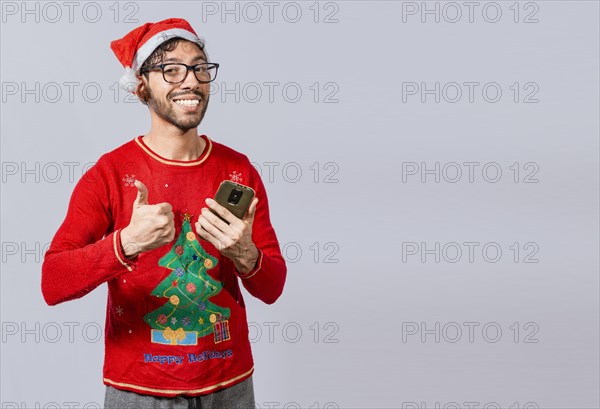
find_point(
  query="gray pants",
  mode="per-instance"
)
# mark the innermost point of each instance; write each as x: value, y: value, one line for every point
x: 238, y: 396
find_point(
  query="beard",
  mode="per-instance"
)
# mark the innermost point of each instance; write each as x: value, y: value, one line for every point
x: 182, y: 120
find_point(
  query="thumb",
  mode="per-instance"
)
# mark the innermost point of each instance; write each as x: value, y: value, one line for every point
x: 252, y: 209
x: 142, y: 194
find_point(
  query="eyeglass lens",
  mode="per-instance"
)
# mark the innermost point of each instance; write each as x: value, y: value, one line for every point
x: 176, y: 73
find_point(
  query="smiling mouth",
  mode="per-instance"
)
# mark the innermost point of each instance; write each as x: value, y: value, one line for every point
x: 187, y: 102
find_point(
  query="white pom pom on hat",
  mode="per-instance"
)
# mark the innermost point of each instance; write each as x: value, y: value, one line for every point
x: 137, y: 45
x: 128, y: 80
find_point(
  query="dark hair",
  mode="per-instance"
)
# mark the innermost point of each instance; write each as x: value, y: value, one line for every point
x: 158, y: 56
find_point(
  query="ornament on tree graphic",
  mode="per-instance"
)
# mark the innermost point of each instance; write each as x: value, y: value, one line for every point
x: 188, y: 314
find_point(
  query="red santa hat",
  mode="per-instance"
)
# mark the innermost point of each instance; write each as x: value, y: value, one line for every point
x: 137, y: 45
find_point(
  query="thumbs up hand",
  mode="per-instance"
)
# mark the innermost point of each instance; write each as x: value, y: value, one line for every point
x: 151, y: 226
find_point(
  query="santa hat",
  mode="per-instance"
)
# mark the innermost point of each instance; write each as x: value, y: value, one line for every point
x: 136, y: 46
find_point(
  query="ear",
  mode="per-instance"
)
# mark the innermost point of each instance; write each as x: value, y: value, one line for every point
x: 141, y: 90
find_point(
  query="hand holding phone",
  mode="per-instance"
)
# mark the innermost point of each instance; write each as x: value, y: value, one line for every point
x: 236, y: 244
x: 235, y: 197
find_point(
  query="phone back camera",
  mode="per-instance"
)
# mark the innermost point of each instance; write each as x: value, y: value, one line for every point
x: 234, y: 196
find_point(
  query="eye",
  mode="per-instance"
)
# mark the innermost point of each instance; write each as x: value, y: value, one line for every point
x: 173, y: 69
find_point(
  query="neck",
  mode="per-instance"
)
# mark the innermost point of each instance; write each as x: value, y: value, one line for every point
x: 175, y: 144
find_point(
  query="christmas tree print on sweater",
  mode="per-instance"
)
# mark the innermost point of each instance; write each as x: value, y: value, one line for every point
x: 187, y: 313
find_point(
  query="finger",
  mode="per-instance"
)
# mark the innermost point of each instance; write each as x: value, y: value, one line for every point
x: 251, y: 209
x: 221, y: 210
x: 164, y: 221
x: 210, y: 227
x: 217, y: 222
x: 142, y: 194
x: 204, y: 234
x: 164, y: 208
x: 168, y: 237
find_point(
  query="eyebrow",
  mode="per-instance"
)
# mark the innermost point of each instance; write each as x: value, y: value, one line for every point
x: 173, y: 59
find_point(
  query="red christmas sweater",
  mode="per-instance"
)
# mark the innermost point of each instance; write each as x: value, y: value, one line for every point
x: 176, y: 319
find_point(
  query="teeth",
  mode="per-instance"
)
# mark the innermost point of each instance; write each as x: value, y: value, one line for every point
x: 188, y: 102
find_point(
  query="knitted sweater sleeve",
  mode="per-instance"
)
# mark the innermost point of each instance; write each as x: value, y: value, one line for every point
x: 266, y: 280
x: 84, y: 252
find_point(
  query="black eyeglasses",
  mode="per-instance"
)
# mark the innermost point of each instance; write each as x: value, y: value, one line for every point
x: 176, y: 72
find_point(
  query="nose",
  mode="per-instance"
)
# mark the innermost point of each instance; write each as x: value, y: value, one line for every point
x: 190, y: 80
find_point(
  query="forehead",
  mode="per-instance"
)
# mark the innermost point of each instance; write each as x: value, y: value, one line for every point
x: 185, y: 51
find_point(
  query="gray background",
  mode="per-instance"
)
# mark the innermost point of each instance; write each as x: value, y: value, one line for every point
x: 358, y: 298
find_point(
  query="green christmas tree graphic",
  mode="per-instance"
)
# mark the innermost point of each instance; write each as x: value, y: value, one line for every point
x: 188, y: 314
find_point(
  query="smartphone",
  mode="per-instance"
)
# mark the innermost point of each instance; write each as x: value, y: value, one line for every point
x: 234, y: 197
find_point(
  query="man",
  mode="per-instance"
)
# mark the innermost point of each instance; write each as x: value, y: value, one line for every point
x: 176, y: 328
